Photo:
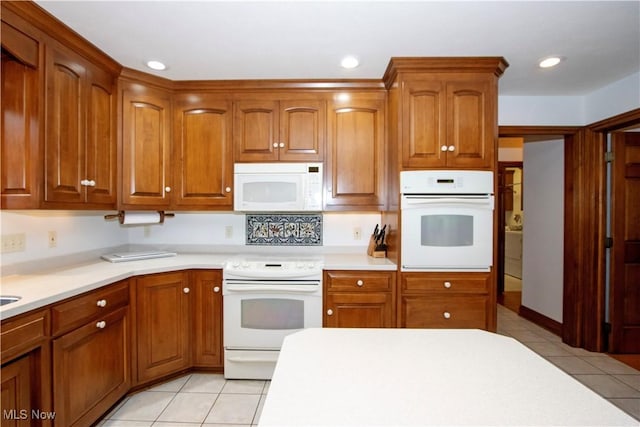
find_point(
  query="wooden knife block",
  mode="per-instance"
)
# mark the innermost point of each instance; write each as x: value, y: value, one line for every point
x: 371, y: 249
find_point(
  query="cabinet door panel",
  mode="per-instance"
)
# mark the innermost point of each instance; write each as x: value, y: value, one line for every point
x: 255, y: 130
x: 423, y: 123
x: 145, y: 146
x: 64, y: 141
x: 95, y: 361
x: 355, y: 162
x: 358, y: 310
x: 20, y: 157
x: 470, y: 126
x: 204, y: 152
x: 207, y: 340
x: 162, y: 325
x: 101, y: 166
x: 302, y: 130
x: 16, y: 392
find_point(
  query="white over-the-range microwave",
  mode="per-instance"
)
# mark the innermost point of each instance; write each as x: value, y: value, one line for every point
x: 278, y: 187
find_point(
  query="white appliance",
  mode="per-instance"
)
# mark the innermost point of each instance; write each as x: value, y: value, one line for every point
x: 285, y: 187
x: 447, y: 220
x: 264, y: 301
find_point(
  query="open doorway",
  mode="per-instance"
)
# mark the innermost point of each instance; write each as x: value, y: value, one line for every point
x: 511, y: 229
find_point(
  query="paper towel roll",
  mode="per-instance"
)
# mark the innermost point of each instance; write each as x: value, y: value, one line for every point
x: 130, y: 218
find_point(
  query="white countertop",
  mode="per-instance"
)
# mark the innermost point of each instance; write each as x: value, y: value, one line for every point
x: 420, y: 377
x: 46, y: 287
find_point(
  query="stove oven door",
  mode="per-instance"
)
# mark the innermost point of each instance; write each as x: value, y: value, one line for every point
x: 258, y: 316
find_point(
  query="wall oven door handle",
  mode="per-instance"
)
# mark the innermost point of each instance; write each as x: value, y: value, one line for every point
x: 416, y: 201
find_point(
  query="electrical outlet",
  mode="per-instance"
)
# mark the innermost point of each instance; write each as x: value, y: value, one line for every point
x: 357, y: 233
x: 13, y: 242
x: 53, y: 239
x: 228, y: 232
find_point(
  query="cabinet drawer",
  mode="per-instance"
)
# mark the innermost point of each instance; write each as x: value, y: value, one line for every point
x: 444, y: 312
x: 364, y: 280
x: 79, y: 310
x: 451, y: 282
x: 22, y: 334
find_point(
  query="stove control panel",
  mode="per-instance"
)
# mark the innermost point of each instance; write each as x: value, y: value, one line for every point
x: 273, y: 267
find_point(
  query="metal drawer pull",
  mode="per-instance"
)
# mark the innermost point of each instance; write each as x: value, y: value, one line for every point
x: 359, y: 283
x: 447, y: 285
x: 101, y: 303
x: 446, y: 315
x: 101, y: 324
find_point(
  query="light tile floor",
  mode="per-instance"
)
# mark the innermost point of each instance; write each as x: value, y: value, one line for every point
x: 208, y: 400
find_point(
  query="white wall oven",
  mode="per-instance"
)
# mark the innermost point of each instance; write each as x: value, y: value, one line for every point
x: 264, y: 301
x: 447, y: 220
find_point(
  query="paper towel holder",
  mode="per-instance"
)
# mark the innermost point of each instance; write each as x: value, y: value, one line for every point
x: 121, y: 214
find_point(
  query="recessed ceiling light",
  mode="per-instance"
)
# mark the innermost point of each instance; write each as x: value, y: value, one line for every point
x: 349, y: 62
x: 156, y: 65
x: 550, y: 61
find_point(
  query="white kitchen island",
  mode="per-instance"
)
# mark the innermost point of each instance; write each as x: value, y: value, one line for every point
x: 421, y: 377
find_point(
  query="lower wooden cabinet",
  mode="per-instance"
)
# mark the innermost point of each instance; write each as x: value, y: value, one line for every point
x: 91, y: 354
x: 207, y: 319
x: 163, y: 308
x: 25, y: 376
x: 359, y: 299
x: 446, y: 300
x: 91, y: 369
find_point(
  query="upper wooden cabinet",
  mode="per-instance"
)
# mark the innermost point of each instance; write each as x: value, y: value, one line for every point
x: 445, y: 111
x: 279, y: 130
x: 203, y: 152
x: 355, y: 161
x: 146, y: 147
x: 80, y: 131
x: 21, y: 176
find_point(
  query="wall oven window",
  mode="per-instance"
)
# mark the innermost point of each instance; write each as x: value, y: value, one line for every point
x: 446, y: 230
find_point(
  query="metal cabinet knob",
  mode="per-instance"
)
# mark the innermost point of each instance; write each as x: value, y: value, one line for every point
x: 329, y: 312
x: 101, y: 324
x: 228, y: 189
x: 444, y: 148
x: 101, y: 303
x: 446, y: 315
x: 359, y: 283
x: 216, y: 289
x: 447, y: 285
x: 451, y: 148
x: 186, y: 290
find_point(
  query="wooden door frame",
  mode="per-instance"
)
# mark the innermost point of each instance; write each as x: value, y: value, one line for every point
x: 583, y: 322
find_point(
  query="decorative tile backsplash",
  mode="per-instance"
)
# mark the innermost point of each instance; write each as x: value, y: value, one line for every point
x: 284, y: 229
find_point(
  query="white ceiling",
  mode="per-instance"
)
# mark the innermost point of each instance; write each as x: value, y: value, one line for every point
x: 208, y: 40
